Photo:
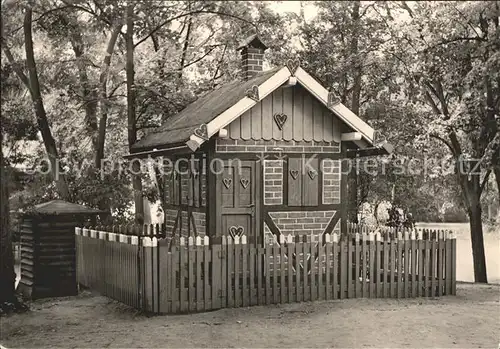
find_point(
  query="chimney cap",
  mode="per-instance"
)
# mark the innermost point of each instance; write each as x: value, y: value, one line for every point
x: 252, y: 41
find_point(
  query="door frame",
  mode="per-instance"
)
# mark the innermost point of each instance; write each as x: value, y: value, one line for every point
x: 257, y: 188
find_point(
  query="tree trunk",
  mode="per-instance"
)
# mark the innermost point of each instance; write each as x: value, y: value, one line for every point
x: 352, y: 179
x: 186, y: 43
x: 471, y: 189
x: 356, y: 93
x: 131, y: 115
x: 7, y: 274
x: 88, y: 92
x: 41, y: 116
x: 496, y: 171
x: 103, y: 80
x: 476, y: 230
x: 356, y: 89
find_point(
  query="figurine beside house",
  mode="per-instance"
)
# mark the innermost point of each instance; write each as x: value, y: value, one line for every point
x: 260, y: 157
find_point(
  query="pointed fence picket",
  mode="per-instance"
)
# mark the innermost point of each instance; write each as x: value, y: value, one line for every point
x: 194, y: 275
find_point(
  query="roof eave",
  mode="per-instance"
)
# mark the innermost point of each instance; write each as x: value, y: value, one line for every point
x: 169, y: 149
x: 380, y: 150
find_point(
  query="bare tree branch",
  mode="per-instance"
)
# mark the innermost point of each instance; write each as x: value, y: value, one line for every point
x: 159, y: 26
x: 444, y: 141
x: 15, y: 65
x: 485, y: 180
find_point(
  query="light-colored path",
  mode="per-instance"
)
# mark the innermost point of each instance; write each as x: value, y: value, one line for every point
x: 469, y: 320
x: 465, y: 270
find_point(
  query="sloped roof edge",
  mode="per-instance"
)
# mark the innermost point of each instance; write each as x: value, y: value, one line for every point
x: 59, y: 207
x: 267, y: 87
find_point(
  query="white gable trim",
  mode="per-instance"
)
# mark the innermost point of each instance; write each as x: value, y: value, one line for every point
x: 346, y: 115
x: 244, y: 104
x: 267, y: 87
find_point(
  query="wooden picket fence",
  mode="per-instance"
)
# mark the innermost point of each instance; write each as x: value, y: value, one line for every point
x: 151, y: 230
x: 108, y: 263
x: 195, y: 275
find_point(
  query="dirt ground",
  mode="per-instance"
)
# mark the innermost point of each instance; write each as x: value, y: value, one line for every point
x: 469, y: 320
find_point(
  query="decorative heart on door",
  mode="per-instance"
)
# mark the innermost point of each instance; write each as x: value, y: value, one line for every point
x: 244, y: 182
x: 253, y: 93
x: 332, y: 99
x: 312, y: 174
x: 236, y: 231
x: 280, y: 119
x: 202, y: 132
x: 294, y: 173
x: 227, y: 182
x: 292, y: 65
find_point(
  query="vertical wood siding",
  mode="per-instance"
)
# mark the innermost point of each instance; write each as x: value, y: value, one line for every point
x: 307, y: 119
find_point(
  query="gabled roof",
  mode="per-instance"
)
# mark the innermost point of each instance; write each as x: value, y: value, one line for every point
x: 181, y: 126
x: 219, y: 108
x: 252, y: 41
x: 59, y: 207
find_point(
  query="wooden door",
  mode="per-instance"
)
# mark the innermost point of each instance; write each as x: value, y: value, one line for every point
x: 237, y: 200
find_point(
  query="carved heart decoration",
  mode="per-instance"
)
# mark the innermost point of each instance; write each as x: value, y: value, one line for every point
x: 202, y: 132
x: 236, y: 231
x: 332, y: 99
x: 292, y: 65
x: 378, y: 138
x: 244, y: 182
x: 294, y: 173
x: 253, y: 93
x: 312, y: 174
x: 280, y: 120
x: 227, y: 182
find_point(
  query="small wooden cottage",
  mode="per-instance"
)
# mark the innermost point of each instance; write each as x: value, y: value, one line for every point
x: 260, y: 157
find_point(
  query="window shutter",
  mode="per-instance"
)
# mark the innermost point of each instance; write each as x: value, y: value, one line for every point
x: 294, y: 182
x: 310, y: 182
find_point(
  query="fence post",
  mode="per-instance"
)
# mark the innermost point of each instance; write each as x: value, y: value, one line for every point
x: 140, y: 273
x: 453, y: 264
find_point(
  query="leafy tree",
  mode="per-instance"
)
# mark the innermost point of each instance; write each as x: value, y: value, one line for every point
x: 32, y: 83
x: 450, y: 54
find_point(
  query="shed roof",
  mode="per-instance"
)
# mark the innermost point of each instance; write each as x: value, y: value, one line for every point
x: 181, y: 126
x: 60, y: 207
x: 252, y: 41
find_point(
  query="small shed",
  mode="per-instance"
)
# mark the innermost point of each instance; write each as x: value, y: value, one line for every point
x: 48, y: 259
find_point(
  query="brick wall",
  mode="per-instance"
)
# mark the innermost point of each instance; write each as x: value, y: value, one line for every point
x: 232, y: 145
x: 311, y: 224
x: 251, y: 61
x: 331, y: 181
x: 302, y: 222
x: 273, y: 182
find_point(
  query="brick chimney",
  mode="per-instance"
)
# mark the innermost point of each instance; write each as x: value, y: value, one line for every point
x: 252, y: 56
